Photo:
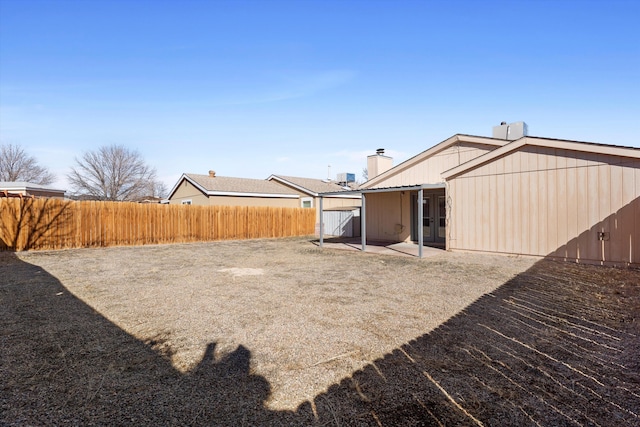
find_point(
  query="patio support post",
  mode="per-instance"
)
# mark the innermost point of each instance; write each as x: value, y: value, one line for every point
x: 363, y: 222
x: 321, y: 231
x: 420, y: 221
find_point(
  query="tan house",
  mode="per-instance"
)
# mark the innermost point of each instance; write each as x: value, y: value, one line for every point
x: 511, y: 194
x: 193, y: 189
x: 309, y: 190
x: 8, y: 189
x: 341, y: 211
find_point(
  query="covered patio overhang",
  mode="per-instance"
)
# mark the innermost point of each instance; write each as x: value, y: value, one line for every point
x: 363, y: 210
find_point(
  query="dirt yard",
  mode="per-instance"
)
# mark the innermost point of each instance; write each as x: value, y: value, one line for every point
x: 280, y: 332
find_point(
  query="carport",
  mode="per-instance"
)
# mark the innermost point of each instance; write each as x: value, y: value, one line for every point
x: 418, y: 214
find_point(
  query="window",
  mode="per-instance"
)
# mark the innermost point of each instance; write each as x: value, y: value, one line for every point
x: 306, y: 202
x: 186, y: 202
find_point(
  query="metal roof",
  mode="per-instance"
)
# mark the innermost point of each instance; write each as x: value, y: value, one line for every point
x: 392, y: 189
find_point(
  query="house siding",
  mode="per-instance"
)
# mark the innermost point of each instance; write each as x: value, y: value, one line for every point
x: 552, y: 202
x: 187, y: 191
x: 337, y: 202
x: 429, y: 170
x: 254, y: 201
x: 35, y: 192
x: 41, y: 193
x: 328, y: 202
x: 388, y: 216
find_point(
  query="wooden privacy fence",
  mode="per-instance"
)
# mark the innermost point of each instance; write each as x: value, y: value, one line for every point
x: 55, y: 224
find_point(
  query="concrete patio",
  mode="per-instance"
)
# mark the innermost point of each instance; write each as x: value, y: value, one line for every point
x: 378, y: 247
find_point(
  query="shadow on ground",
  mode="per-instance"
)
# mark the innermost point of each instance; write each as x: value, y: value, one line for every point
x: 556, y: 345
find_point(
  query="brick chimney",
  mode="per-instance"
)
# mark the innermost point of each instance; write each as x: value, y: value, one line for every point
x: 378, y: 163
x: 212, y: 174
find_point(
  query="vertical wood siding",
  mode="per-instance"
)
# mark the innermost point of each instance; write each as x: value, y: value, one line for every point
x: 388, y: 216
x: 56, y: 224
x: 429, y: 171
x: 549, y: 202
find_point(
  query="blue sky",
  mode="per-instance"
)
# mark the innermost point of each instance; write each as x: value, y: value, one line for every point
x: 309, y: 88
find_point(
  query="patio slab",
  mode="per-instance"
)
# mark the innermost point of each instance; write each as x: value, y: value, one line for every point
x: 382, y: 248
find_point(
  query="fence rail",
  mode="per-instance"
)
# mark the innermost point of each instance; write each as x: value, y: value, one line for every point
x: 27, y: 224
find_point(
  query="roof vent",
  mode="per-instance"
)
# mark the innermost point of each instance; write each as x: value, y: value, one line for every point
x: 212, y: 174
x: 380, y: 151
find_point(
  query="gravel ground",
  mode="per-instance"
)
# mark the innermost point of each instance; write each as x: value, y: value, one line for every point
x: 274, y: 332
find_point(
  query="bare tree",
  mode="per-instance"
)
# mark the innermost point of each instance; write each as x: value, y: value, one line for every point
x: 113, y: 173
x: 159, y: 190
x: 17, y: 165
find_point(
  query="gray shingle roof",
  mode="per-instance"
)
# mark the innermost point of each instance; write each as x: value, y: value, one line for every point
x: 311, y: 184
x: 238, y: 185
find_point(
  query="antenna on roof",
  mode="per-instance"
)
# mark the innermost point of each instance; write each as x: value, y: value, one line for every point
x: 329, y: 173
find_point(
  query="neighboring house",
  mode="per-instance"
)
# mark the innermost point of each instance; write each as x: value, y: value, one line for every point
x: 150, y: 199
x: 29, y: 189
x: 341, y: 211
x: 193, y: 189
x: 511, y: 194
x: 310, y: 188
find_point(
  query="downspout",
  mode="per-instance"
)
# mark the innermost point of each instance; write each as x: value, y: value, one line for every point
x: 363, y: 222
x: 321, y: 231
x: 448, y: 207
x: 420, y: 221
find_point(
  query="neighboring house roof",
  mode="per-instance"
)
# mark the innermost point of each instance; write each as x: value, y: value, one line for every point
x: 310, y: 186
x: 26, y: 186
x: 229, y: 186
x: 588, y: 147
x: 455, y: 139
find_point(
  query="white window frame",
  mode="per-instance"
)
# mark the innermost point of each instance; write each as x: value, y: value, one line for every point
x: 306, y: 199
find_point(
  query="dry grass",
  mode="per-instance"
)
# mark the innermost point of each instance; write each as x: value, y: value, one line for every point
x: 273, y: 332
